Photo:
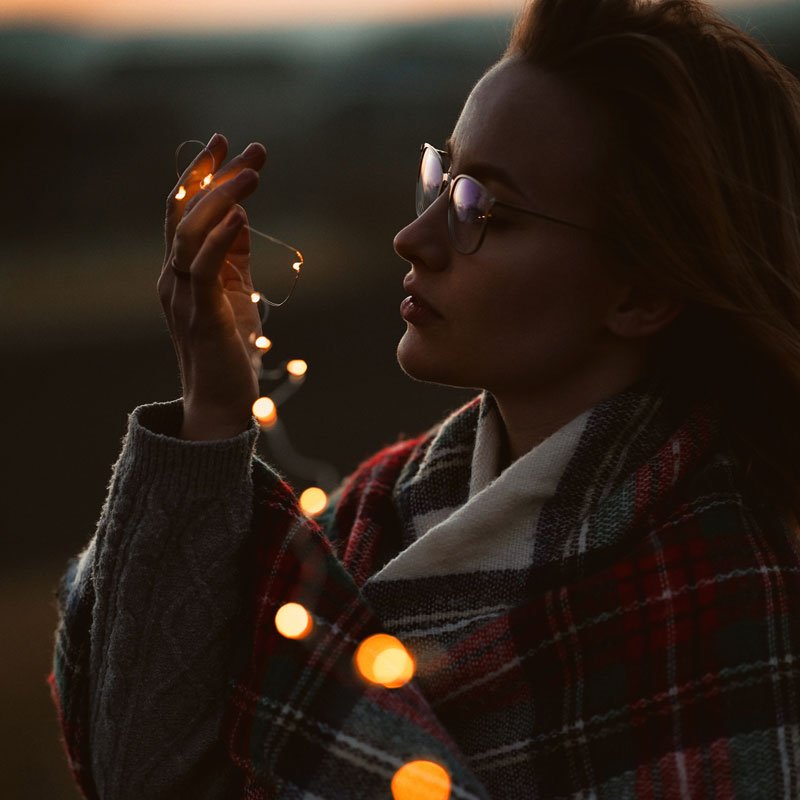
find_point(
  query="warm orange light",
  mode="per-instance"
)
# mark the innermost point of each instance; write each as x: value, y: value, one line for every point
x: 265, y: 412
x: 383, y: 659
x: 293, y: 621
x: 262, y: 343
x: 255, y: 297
x: 297, y: 367
x: 313, y: 501
x: 296, y: 266
x: 208, y: 178
x: 421, y: 780
x: 181, y: 193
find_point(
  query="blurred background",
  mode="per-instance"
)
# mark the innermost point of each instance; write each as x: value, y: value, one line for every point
x: 94, y: 99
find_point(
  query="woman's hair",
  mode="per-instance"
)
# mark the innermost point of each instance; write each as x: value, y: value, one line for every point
x: 702, y: 192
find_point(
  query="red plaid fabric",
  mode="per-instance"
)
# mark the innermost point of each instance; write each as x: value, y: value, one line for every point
x: 649, y: 649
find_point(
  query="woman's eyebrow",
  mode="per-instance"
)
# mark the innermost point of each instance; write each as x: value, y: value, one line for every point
x: 484, y: 171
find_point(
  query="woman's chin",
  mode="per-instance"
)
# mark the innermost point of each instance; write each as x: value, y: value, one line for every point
x: 413, y: 358
x: 419, y: 361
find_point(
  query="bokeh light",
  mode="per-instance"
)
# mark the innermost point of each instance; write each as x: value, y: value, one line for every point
x: 421, y: 780
x: 265, y: 412
x: 384, y: 660
x: 297, y: 367
x: 208, y: 178
x: 293, y: 621
x: 181, y: 193
x: 313, y: 501
x: 262, y: 343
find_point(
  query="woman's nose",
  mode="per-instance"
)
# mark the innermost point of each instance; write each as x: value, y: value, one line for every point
x: 424, y: 241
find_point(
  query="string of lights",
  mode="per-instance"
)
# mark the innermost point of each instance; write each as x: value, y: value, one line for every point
x: 384, y: 661
x: 380, y: 659
x: 288, y: 377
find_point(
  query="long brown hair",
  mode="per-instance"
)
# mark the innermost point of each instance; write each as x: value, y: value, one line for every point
x: 703, y: 200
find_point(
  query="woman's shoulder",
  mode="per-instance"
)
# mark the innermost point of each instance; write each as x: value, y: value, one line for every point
x: 404, y: 456
x: 367, y: 496
x: 717, y: 537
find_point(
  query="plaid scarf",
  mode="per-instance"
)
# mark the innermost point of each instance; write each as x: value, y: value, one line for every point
x: 641, y: 640
x: 616, y: 615
x: 493, y: 528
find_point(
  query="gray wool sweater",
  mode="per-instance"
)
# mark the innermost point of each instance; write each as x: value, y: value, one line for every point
x: 165, y: 562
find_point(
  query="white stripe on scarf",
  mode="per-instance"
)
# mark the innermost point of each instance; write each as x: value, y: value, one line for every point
x: 494, y: 529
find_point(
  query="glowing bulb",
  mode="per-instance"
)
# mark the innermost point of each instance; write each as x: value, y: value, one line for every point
x: 255, y: 297
x: 262, y: 343
x: 293, y: 621
x: 208, y: 178
x: 383, y: 659
x: 181, y: 193
x: 296, y: 266
x: 421, y: 780
x: 313, y: 501
x: 391, y: 664
x: 265, y: 412
x: 297, y: 367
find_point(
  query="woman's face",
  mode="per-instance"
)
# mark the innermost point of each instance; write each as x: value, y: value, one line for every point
x: 529, y: 307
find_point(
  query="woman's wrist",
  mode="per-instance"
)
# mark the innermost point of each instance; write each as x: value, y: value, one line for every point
x: 207, y: 425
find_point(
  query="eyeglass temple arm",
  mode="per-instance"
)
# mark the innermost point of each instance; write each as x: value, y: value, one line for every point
x: 552, y: 219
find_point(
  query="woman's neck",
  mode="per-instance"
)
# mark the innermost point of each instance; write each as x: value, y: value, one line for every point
x: 531, y: 417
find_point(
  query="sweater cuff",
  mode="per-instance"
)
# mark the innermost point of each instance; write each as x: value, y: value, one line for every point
x: 152, y: 454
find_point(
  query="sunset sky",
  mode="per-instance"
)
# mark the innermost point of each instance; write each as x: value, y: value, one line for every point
x: 174, y: 15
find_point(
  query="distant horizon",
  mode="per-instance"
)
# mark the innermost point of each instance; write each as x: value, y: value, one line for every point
x: 240, y: 16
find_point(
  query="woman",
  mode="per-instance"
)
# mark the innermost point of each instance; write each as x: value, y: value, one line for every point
x: 594, y: 564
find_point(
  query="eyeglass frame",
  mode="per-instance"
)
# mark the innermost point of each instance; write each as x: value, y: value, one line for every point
x: 450, y: 181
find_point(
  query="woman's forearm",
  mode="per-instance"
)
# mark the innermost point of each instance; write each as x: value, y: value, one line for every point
x: 145, y: 679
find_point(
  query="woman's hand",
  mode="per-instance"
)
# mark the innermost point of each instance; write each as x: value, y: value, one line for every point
x: 206, y: 301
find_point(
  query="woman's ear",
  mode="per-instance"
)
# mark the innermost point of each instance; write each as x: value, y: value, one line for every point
x: 642, y: 312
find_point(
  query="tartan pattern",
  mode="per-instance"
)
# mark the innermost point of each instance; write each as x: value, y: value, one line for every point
x: 650, y: 648
x: 300, y: 706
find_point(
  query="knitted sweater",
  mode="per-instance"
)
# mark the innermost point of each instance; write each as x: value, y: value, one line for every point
x: 615, y: 616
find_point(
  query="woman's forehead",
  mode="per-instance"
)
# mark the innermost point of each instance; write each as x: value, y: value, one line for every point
x: 524, y: 120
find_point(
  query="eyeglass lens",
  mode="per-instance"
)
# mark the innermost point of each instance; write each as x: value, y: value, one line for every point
x: 469, y: 203
x: 468, y: 212
x: 430, y: 178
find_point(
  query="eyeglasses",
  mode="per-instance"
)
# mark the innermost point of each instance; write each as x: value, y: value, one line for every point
x: 274, y: 266
x: 469, y: 202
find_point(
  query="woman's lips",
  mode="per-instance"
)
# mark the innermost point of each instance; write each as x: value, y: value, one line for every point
x: 414, y: 310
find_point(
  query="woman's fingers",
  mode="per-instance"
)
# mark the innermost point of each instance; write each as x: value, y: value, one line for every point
x: 206, y: 287
x: 193, y: 228
x: 189, y: 183
x: 254, y: 156
x: 235, y: 272
x: 192, y: 194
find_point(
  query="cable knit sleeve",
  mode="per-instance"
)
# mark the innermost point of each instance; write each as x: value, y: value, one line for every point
x: 149, y: 615
x: 171, y: 677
